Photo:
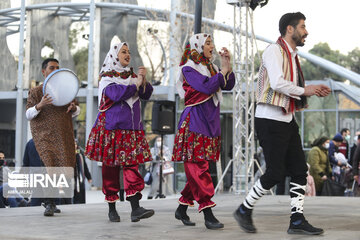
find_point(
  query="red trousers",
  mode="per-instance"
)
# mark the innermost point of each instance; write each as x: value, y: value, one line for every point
x: 198, y: 186
x: 133, y: 182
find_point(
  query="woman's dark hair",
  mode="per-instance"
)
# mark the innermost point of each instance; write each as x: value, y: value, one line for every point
x: 290, y: 19
x: 319, y: 141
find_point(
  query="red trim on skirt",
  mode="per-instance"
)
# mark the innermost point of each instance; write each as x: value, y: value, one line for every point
x: 194, y: 147
x: 117, y: 147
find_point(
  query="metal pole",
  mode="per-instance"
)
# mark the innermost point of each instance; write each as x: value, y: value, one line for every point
x: 174, y: 60
x: 223, y: 175
x: 173, y: 57
x: 160, y: 194
x: 19, y: 96
x: 198, y: 15
x: 337, y: 112
x: 90, y: 86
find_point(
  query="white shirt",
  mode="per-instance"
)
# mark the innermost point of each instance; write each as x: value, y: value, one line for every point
x: 273, y: 61
x: 32, y: 112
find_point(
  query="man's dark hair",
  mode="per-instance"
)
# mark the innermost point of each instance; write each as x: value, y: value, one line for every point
x: 46, y: 61
x: 344, y: 130
x: 1, y: 151
x: 290, y: 19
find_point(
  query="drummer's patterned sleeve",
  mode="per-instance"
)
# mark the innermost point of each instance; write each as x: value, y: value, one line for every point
x: 32, y: 100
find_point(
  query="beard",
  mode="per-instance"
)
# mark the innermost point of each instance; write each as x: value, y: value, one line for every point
x: 298, y: 38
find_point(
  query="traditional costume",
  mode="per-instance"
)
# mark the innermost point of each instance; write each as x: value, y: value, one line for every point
x: 198, y: 138
x: 117, y: 138
x: 280, y: 90
x: 53, y: 136
x: 52, y: 132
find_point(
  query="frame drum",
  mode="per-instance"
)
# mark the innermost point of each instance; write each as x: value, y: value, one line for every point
x: 62, y: 85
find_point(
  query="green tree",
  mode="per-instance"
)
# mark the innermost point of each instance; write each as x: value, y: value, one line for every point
x: 257, y: 60
x: 353, y: 60
x: 313, y: 72
x: 74, y: 35
x: 81, y: 63
x: 80, y: 56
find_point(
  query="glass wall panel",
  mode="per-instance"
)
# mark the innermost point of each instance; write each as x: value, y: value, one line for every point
x: 350, y: 120
x: 328, y: 102
x: 317, y: 124
x: 346, y: 103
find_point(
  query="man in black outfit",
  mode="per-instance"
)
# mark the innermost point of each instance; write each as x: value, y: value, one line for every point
x: 281, y: 91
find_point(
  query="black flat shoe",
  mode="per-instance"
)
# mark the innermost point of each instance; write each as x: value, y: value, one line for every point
x: 49, y: 210
x: 302, y: 227
x: 141, y: 213
x: 213, y: 225
x: 185, y: 219
x: 114, y: 216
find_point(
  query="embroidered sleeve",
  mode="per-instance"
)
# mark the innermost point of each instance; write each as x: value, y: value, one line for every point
x: 229, y: 81
x: 201, y: 82
x: 118, y: 92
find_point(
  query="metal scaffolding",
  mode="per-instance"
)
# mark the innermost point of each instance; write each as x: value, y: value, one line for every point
x: 243, y: 99
x: 243, y: 65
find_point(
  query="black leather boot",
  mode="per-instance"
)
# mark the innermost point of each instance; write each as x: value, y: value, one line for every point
x: 138, y: 212
x: 181, y: 215
x: 113, y: 215
x: 210, y: 220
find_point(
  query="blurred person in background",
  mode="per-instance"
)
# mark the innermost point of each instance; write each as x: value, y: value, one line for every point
x: 319, y: 164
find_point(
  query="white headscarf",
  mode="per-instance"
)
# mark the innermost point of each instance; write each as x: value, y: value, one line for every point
x: 112, y: 62
x: 197, y: 43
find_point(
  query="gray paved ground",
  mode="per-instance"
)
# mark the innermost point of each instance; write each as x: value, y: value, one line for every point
x: 339, y: 216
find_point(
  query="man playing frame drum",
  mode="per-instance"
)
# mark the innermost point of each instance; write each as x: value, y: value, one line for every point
x: 51, y: 128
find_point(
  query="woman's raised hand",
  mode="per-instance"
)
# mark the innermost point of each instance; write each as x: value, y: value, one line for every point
x: 142, y: 74
x: 225, y: 61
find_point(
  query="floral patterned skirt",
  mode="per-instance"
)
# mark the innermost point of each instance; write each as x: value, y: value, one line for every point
x: 117, y: 147
x: 195, y: 147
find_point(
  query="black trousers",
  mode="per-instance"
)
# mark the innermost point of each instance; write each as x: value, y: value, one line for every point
x: 282, y: 150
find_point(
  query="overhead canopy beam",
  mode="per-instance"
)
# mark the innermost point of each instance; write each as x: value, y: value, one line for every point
x: 11, y: 18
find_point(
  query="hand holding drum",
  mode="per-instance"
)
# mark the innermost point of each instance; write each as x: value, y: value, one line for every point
x: 45, y: 100
x: 60, y: 88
